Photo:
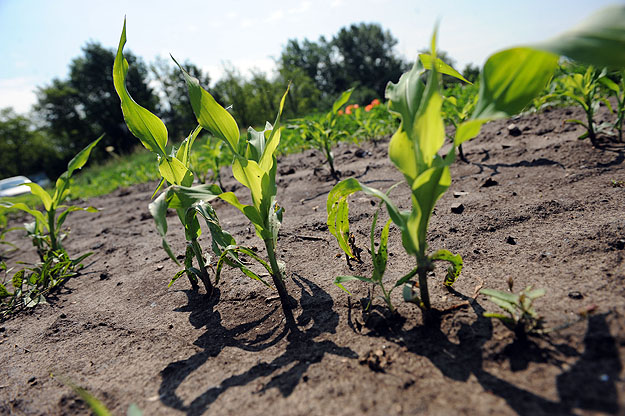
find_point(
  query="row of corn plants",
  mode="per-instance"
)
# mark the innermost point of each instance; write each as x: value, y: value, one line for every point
x: 509, y: 81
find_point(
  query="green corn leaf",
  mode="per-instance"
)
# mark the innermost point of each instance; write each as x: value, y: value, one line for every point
x: 533, y: 294
x: 243, y: 250
x: 176, y: 277
x: 599, y: 40
x: 510, y: 80
x: 339, y: 102
x: 45, y: 197
x: 184, y: 197
x: 220, y: 238
x: 184, y: 151
x: 158, y: 210
x: 467, y: 130
x: 81, y: 158
x: 144, y: 125
x: 351, y: 185
x: 505, y: 305
x: 453, y: 272
x: 427, y: 188
x: 498, y: 294
x: 61, y: 218
x: 39, y: 216
x: 379, y: 257
x: 174, y: 171
x: 613, y: 86
x: 504, y: 318
x: 210, y: 115
x: 441, y: 67
x: 404, y: 100
x: 342, y: 279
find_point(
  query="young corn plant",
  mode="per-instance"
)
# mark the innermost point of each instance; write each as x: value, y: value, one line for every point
x: 585, y: 90
x: 175, y: 170
x: 379, y: 258
x: 520, y: 315
x: 509, y: 81
x: 46, y: 231
x: 324, y: 133
x: 254, y: 166
x: 414, y: 148
x: 31, y: 285
x: 459, y: 102
x: 618, y: 90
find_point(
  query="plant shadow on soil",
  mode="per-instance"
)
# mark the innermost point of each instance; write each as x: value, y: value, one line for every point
x: 589, y: 384
x: 301, y: 350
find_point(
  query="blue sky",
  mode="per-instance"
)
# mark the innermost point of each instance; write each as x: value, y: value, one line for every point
x: 39, y: 38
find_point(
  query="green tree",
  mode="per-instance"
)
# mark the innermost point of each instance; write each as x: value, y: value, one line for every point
x: 365, y: 59
x: 85, y: 105
x: 357, y: 56
x: 24, y: 149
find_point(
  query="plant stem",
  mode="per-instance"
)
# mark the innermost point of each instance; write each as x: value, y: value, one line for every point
x: 423, y: 267
x: 54, y: 244
x: 278, y: 281
x: 204, y: 277
x: 591, y: 128
x: 330, y: 159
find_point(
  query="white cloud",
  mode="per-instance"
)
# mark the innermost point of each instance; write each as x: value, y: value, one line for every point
x: 18, y: 93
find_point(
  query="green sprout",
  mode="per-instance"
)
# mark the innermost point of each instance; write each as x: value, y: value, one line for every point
x: 520, y: 315
x: 254, y: 165
x: 46, y: 231
x: 584, y: 89
x: 324, y: 133
x: 414, y: 149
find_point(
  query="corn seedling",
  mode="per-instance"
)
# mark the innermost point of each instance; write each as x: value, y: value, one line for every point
x: 459, y: 102
x: 520, y: 315
x: 618, y: 90
x: 31, y: 285
x: 379, y: 258
x: 415, y: 145
x: 254, y: 166
x: 323, y: 134
x: 46, y: 231
x: 175, y: 170
x: 584, y: 89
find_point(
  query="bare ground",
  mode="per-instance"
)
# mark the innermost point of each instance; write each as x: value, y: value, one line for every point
x: 553, y: 218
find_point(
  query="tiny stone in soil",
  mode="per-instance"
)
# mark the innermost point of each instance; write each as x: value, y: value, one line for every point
x: 510, y: 240
x: 457, y: 208
x: 489, y: 182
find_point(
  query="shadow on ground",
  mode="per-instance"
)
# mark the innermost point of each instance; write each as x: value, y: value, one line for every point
x: 302, y: 350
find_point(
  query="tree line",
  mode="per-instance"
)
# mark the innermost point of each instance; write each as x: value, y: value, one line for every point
x: 70, y: 113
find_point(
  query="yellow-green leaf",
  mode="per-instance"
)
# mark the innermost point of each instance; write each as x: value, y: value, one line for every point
x: 144, y: 125
x: 210, y: 115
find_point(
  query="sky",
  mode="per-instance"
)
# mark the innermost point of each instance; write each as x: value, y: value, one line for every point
x: 39, y: 38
